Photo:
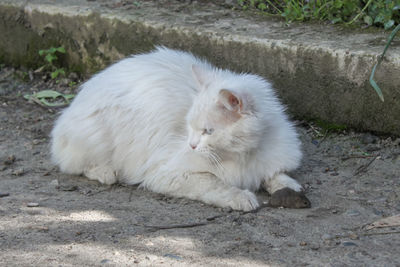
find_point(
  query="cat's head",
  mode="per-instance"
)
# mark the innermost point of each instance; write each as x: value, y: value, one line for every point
x: 224, y: 117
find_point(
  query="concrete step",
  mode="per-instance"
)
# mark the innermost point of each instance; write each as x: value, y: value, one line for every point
x: 319, y: 71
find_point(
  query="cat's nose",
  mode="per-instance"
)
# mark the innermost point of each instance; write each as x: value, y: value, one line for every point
x: 193, y: 146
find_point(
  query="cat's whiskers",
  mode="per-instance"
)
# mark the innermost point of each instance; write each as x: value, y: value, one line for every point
x: 215, y: 159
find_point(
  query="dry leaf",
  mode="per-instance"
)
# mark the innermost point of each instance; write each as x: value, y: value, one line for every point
x: 385, y: 222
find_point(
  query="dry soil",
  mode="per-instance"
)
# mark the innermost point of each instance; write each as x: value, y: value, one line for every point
x: 52, y: 219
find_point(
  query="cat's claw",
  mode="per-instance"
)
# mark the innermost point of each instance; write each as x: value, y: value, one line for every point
x: 244, y: 200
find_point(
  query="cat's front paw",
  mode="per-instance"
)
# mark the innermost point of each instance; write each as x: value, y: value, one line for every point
x: 243, y: 200
x: 103, y: 174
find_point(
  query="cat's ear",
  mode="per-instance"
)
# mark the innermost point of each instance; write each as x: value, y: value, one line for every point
x: 230, y: 100
x: 199, y: 74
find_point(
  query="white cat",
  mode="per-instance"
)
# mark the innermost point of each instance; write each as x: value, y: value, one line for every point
x: 177, y: 125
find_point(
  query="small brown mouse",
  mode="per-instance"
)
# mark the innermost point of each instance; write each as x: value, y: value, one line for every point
x: 288, y: 198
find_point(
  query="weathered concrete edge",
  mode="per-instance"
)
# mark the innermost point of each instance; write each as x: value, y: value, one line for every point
x: 315, y: 82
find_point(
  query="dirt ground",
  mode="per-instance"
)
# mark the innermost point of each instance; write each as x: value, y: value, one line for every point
x: 51, y: 219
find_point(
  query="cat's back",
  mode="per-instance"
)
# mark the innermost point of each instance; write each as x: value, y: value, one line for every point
x: 160, y: 76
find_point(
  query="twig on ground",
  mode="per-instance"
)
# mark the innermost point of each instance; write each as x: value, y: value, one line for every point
x: 317, y: 133
x: 381, y: 233
x: 100, y: 191
x: 353, y: 235
x: 364, y: 167
x: 208, y: 220
x: 357, y: 157
x: 174, y: 226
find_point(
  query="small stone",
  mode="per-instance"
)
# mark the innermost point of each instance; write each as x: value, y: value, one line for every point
x: 105, y: 261
x: 4, y: 194
x: 349, y: 244
x: 18, y: 172
x: 54, y: 183
x: 353, y: 236
x: 377, y: 212
x: 31, y: 77
x: 73, y: 76
x: 69, y: 188
x: 369, y: 139
x: 227, y: 210
x: 338, y: 149
x: 326, y: 237
x: 136, y: 261
x: 396, y: 142
x: 353, y: 213
x: 314, y: 246
x: 302, y: 243
x: 40, y: 228
x: 315, y: 142
x: 32, y: 204
x: 172, y: 256
x: 372, y: 148
x: 10, y: 160
x: 36, y: 141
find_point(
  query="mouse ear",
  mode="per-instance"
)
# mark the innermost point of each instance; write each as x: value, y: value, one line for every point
x: 199, y: 74
x: 230, y: 100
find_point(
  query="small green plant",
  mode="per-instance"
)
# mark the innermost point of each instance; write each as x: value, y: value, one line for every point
x: 72, y: 84
x: 22, y: 75
x: 50, y: 56
x: 380, y: 13
x: 330, y: 127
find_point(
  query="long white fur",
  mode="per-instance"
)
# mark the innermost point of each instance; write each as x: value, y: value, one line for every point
x: 135, y: 122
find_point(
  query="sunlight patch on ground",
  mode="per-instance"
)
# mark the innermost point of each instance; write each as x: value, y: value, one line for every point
x: 90, y: 216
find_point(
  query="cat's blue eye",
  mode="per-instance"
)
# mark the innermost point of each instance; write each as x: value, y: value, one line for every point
x: 208, y: 131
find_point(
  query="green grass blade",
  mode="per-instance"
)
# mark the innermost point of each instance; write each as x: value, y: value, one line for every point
x: 371, y: 78
x: 374, y: 85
